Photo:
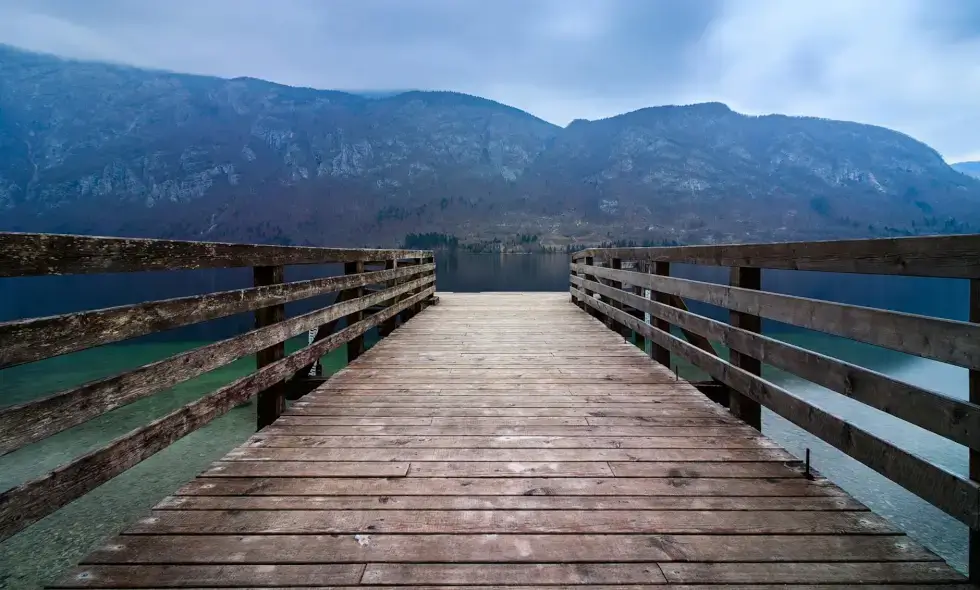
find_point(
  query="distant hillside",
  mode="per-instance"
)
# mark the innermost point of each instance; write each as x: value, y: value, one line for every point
x: 96, y: 148
x: 971, y: 168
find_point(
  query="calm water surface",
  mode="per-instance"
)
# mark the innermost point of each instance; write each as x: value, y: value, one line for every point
x: 41, y: 553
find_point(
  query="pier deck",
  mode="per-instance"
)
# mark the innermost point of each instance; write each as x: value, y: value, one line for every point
x: 509, y: 439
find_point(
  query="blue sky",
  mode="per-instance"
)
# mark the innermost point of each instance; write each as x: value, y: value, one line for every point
x: 912, y: 65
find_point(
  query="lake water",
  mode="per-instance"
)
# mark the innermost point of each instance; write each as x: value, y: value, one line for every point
x: 42, y: 552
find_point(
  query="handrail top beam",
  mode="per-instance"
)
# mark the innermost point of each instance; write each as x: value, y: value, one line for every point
x: 945, y: 256
x: 31, y: 254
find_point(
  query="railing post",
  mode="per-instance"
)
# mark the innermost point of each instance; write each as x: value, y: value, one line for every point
x: 741, y: 407
x: 639, y: 341
x: 417, y: 308
x: 616, y: 264
x: 657, y: 352
x: 271, y: 401
x: 589, y: 261
x: 356, y: 346
x: 389, y: 325
x: 429, y: 273
x: 974, y: 541
x: 571, y: 286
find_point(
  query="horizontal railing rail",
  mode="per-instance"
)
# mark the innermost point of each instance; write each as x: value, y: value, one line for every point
x: 924, y: 256
x: 599, y: 285
x: 401, y: 288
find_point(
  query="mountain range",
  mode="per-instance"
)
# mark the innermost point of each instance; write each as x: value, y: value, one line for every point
x: 106, y: 149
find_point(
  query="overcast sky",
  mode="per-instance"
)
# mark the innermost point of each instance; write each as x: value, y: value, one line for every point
x: 906, y: 64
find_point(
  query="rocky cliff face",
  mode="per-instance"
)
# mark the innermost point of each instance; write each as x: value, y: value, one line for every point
x: 105, y: 149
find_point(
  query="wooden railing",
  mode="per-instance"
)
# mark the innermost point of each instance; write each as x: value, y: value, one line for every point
x: 597, y: 285
x: 405, y: 284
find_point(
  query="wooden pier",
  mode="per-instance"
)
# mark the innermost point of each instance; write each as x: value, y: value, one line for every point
x: 509, y: 440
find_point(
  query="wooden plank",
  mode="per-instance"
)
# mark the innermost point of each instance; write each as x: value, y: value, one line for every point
x: 657, y: 411
x: 290, y: 420
x: 239, y: 575
x: 813, y: 573
x: 271, y: 401
x: 650, y: 421
x: 927, y: 256
x: 952, y: 418
x: 25, y: 254
x: 324, y: 522
x: 721, y: 468
x: 944, y: 340
x: 491, y: 430
x: 320, y: 454
x: 24, y: 341
x: 449, y: 400
x: 427, y: 469
x: 290, y: 469
x: 483, y: 548
x: 277, y: 440
x: 955, y: 496
x: 742, y: 407
x: 508, y: 574
x: 30, y: 501
x: 511, y: 486
x: 628, y: 503
x: 32, y: 421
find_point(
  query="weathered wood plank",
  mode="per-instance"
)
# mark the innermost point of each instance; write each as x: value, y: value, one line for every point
x: 497, y: 431
x: 628, y: 503
x: 512, y: 486
x: 323, y: 522
x: 424, y: 469
x: 812, y: 573
x: 30, y: 501
x: 24, y: 254
x: 38, y: 419
x: 957, y: 497
x: 319, y: 454
x: 658, y: 411
x: 519, y: 548
x: 509, y: 574
x: 944, y: 340
x: 928, y: 256
x: 24, y: 341
x: 953, y: 418
x: 205, y: 576
x: 506, y: 442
